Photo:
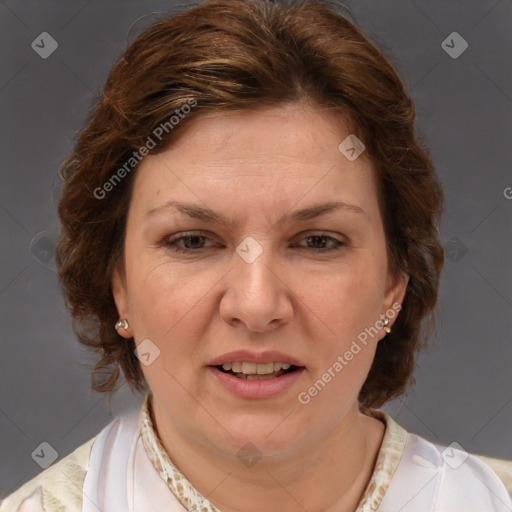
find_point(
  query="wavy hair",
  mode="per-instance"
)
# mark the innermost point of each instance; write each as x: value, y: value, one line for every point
x: 233, y: 55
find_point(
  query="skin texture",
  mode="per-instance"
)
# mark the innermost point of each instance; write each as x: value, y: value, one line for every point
x: 253, y: 168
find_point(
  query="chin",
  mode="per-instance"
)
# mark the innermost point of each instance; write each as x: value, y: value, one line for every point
x: 268, y: 434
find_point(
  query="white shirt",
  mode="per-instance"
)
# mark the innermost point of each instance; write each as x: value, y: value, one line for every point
x: 126, y: 469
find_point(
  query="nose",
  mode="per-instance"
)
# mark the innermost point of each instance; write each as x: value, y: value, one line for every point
x: 257, y: 296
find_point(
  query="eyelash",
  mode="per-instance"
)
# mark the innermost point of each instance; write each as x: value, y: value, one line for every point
x: 172, y: 242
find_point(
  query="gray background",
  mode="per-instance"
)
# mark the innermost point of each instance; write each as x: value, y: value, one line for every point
x: 464, y: 105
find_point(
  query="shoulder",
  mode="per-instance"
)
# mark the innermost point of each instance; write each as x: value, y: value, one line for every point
x: 469, y: 474
x: 60, y: 487
x: 57, y: 488
x: 452, y: 478
x: 426, y: 476
x: 502, y: 467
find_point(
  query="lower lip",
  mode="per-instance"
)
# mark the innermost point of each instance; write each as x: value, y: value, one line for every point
x: 264, y: 388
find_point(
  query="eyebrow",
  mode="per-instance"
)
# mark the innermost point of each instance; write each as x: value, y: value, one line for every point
x: 206, y: 214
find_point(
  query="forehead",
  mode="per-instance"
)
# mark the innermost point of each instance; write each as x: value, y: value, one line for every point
x: 298, y: 131
x: 282, y: 153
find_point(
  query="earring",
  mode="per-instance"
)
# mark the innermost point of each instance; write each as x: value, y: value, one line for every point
x: 122, y: 324
x: 385, y: 324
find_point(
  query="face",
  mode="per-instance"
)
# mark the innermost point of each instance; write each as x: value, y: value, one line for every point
x: 253, y: 241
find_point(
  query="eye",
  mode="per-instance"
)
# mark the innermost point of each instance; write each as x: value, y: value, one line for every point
x: 192, y: 242
x: 318, y: 241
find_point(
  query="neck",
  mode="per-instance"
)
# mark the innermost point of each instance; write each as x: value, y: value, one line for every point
x: 329, y: 475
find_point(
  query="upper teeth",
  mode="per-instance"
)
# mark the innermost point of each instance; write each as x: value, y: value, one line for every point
x: 254, y: 368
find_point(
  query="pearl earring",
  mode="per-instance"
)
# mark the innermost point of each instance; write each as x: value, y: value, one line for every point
x: 122, y: 324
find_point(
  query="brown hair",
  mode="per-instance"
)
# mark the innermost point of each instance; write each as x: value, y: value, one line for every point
x: 226, y: 55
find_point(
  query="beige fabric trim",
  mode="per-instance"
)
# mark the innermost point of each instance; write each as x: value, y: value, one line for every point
x: 186, y: 494
x: 32, y: 503
x: 390, y: 453
x: 63, y: 492
x: 56, y: 489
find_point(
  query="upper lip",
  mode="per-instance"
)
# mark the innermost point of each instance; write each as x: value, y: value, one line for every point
x: 248, y: 356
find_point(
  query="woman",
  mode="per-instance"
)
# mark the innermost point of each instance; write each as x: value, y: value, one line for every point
x: 250, y: 234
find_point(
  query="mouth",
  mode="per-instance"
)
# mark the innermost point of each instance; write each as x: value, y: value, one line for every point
x: 257, y: 371
x: 248, y: 374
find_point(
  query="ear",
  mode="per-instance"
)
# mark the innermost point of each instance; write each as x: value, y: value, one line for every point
x: 120, y: 294
x: 395, y: 291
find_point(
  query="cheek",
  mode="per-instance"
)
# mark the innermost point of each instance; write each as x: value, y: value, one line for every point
x: 170, y: 304
x: 347, y: 304
x: 168, y: 309
x: 344, y: 343
x: 347, y: 300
